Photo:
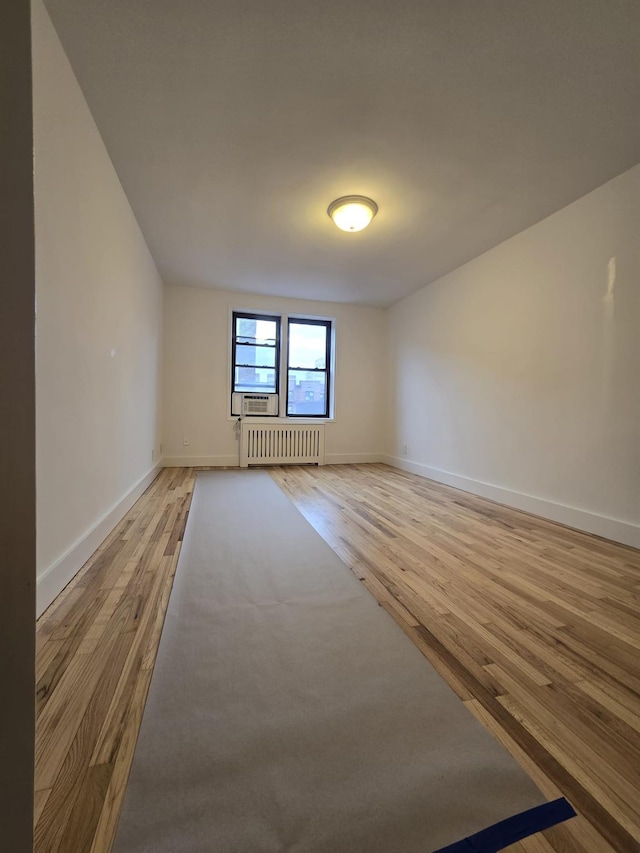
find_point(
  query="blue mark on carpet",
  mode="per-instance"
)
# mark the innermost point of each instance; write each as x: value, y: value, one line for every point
x: 513, y: 829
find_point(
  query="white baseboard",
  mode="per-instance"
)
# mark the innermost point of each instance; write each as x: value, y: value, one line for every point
x: 232, y: 461
x: 580, y: 519
x: 53, y: 580
x: 351, y: 458
x: 201, y: 461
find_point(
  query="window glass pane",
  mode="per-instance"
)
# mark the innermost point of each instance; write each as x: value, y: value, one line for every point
x: 262, y: 380
x: 307, y: 393
x: 307, y: 345
x: 256, y: 331
x: 262, y: 356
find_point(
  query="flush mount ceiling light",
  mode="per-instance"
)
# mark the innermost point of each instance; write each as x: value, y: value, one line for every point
x: 352, y: 212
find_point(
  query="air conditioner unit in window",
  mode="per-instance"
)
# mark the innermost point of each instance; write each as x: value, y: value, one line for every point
x: 254, y: 404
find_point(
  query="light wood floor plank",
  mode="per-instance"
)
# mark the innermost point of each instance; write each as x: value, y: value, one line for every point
x: 548, y: 612
x: 535, y: 626
x: 93, y: 683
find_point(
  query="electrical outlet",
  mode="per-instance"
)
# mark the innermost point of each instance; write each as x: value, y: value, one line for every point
x: 161, y: 449
x: 186, y: 441
x: 153, y: 454
x: 405, y: 450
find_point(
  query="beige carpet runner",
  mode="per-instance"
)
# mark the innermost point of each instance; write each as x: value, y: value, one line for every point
x: 288, y: 712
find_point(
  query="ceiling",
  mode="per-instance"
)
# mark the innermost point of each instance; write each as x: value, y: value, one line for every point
x: 233, y: 123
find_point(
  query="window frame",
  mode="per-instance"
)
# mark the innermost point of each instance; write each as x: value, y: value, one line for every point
x: 277, y: 367
x: 327, y: 369
x: 282, y: 369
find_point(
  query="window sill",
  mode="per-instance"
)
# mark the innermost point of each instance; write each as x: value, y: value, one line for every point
x: 276, y: 419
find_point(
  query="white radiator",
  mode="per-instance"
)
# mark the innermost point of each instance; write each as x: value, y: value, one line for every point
x: 281, y: 444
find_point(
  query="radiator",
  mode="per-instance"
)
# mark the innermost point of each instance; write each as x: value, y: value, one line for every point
x: 281, y: 444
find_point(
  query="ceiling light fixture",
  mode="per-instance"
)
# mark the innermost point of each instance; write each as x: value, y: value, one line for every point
x: 352, y: 212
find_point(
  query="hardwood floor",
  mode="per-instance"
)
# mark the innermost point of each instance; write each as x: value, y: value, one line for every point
x: 535, y: 626
x: 96, y: 649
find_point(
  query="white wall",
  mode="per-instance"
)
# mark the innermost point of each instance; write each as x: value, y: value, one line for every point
x: 517, y: 376
x: 99, y: 326
x: 196, y: 370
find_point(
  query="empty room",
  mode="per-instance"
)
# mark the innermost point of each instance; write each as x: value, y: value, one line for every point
x: 321, y: 424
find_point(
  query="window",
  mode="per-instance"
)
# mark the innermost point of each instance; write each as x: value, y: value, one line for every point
x: 270, y: 352
x: 308, y: 367
x: 256, y: 353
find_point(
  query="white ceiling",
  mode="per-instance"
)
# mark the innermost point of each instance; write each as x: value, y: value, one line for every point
x: 233, y: 123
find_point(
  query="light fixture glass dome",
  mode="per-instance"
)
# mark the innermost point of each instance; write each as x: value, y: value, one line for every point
x: 352, y: 212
